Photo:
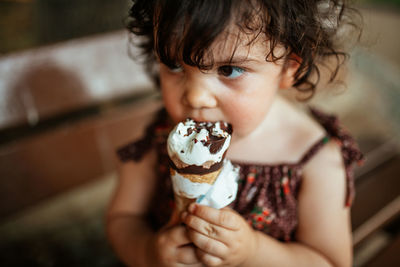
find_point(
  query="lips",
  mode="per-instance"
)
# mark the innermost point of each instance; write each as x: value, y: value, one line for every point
x: 204, y: 115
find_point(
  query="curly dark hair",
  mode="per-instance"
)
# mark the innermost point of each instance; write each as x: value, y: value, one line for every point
x: 185, y: 30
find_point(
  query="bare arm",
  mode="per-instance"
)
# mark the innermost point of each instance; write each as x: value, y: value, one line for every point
x: 126, y: 228
x: 324, y: 231
x: 132, y: 239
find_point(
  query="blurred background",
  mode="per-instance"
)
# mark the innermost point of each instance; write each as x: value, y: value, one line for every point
x: 70, y: 95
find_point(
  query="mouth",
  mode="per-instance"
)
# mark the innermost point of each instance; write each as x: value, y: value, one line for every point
x: 203, y: 116
x: 207, y: 115
x: 200, y: 115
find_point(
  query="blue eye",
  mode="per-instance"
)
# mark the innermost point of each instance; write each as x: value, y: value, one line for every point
x: 230, y: 72
x: 176, y: 69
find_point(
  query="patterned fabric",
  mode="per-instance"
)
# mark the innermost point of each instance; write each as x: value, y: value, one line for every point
x: 267, y: 194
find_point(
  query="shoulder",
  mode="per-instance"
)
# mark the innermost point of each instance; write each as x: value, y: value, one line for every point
x: 325, y: 171
x: 135, y: 186
x: 145, y: 130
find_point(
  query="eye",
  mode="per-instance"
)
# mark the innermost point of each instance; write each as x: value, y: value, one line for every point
x: 175, y: 69
x: 230, y: 72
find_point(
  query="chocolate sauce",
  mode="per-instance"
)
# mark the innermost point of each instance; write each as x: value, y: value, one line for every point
x: 194, y: 169
x: 214, y: 143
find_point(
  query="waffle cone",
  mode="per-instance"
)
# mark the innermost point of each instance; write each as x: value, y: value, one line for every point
x: 181, y: 202
x: 208, y: 178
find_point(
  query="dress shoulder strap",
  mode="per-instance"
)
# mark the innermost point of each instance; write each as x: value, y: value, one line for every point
x: 350, y: 152
x: 137, y: 149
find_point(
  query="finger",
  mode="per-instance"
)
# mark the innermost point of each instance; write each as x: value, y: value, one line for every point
x: 208, y: 245
x: 208, y: 229
x: 187, y: 255
x: 208, y: 259
x: 224, y: 217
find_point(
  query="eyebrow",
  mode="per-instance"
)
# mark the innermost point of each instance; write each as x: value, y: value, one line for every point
x: 236, y: 60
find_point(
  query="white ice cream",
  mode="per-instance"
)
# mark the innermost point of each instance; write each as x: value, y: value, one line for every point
x: 190, y: 148
x: 186, y: 188
x: 224, y: 190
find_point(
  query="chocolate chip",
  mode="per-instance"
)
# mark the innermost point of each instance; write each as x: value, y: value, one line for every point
x: 189, y: 131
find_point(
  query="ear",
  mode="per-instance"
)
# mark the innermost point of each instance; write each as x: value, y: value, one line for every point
x: 289, y: 69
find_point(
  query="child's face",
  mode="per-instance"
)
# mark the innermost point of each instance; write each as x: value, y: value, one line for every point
x: 239, y: 91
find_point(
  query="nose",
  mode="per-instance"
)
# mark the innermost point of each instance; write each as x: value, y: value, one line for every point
x: 198, y: 92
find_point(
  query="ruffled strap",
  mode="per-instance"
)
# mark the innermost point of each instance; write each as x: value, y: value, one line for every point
x: 137, y: 149
x: 350, y: 152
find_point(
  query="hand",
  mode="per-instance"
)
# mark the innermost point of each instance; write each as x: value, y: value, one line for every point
x: 172, y: 247
x: 222, y: 237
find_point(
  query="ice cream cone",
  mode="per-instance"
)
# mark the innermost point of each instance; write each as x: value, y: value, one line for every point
x: 196, y: 152
x: 208, y: 178
x: 181, y: 204
x: 185, y: 196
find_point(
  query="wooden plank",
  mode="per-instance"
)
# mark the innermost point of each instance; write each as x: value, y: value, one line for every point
x: 375, y: 190
x: 42, y: 166
x: 378, y: 221
x: 389, y: 257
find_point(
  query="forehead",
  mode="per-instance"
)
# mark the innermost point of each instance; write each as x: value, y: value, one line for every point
x: 233, y: 45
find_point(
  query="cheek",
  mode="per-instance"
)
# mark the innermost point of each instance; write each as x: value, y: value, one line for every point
x: 171, y: 98
x: 248, y: 111
x: 245, y: 118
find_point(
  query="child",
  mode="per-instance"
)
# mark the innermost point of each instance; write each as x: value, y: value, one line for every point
x: 226, y: 60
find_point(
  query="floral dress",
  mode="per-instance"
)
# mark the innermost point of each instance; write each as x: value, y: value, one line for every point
x: 267, y: 195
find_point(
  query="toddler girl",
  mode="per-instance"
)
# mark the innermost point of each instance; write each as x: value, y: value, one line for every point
x: 226, y: 60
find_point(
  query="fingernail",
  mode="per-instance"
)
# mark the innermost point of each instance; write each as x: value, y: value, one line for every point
x: 192, y: 207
